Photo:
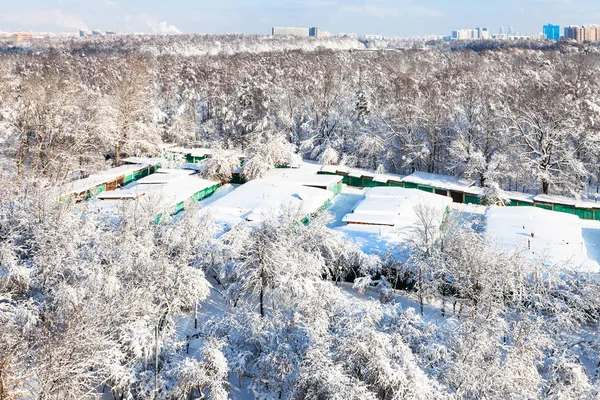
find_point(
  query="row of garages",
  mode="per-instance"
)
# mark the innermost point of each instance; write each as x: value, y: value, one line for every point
x: 133, y: 169
x: 462, y: 191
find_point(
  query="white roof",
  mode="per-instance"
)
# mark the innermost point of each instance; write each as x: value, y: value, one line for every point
x: 394, y: 206
x: 126, y: 169
x: 316, y: 180
x: 557, y: 236
x: 251, y: 200
x: 196, y: 152
x: 193, y: 167
x: 100, y: 178
x: 358, y: 173
x: 329, y: 168
x: 385, y: 178
x: 82, y: 185
x: 567, y: 201
x: 142, y: 160
x: 164, y: 177
x: 438, y: 181
x: 518, y: 196
x: 161, y: 196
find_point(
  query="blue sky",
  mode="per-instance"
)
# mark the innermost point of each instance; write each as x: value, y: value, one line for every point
x: 387, y: 17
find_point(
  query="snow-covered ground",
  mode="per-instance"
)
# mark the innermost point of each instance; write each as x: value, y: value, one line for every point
x: 548, y: 235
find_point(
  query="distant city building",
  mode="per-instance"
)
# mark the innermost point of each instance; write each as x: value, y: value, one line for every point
x: 111, y: 32
x: 587, y: 33
x: 293, y: 31
x: 511, y: 31
x: 502, y: 30
x: 348, y: 35
x: 96, y: 32
x: 22, y: 36
x: 373, y: 37
x: 552, y: 32
x: 470, y: 34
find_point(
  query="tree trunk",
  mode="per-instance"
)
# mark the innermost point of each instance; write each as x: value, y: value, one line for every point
x: 21, y: 151
x: 262, y: 300
x: 117, y: 150
x: 545, y: 186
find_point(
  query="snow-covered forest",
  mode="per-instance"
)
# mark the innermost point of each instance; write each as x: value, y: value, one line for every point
x: 112, y: 308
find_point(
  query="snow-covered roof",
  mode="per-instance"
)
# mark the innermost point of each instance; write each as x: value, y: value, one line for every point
x: 193, y: 167
x: 359, y: 173
x: 100, y: 178
x: 164, y: 177
x: 394, y: 206
x: 438, y: 181
x: 518, y: 196
x: 321, y: 181
x: 332, y: 169
x: 557, y: 237
x: 82, y: 185
x: 196, y: 152
x: 251, y: 200
x: 142, y: 160
x: 567, y: 201
x: 385, y: 178
x: 161, y: 196
x: 126, y: 169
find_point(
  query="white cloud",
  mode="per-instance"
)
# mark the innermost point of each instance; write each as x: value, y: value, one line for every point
x: 159, y: 28
x: 39, y: 17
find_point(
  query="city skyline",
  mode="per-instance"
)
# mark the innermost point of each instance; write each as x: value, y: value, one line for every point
x: 386, y: 17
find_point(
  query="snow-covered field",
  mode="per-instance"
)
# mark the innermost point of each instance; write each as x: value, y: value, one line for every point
x: 551, y: 236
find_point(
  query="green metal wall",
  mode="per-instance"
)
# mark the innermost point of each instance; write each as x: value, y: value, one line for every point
x: 368, y: 182
x: 471, y: 199
x: 425, y: 188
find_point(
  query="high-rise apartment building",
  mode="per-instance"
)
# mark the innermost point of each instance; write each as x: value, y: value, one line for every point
x: 552, y: 32
x: 587, y: 33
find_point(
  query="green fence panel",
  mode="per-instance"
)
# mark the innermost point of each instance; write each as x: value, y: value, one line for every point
x: 178, y: 208
x: 368, y: 182
x: 544, y: 206
x: 472, y: 199
x: 425, y: 188
x: 524, y: 204
x: 564, y: 209
x: 584, y: 213
x: 354, y: 181
x: 400, y: 184
x: 410, y: 185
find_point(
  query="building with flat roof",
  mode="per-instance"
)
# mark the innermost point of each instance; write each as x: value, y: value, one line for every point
x: 552, y: 32
x: 295, y: 31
